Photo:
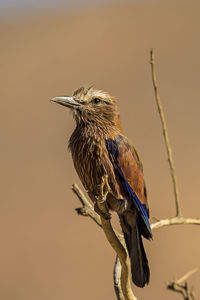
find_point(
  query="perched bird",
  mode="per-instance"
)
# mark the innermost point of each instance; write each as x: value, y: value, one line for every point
x: 99, y: 147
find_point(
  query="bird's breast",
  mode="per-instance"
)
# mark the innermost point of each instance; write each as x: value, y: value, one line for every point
x: 89, y: 157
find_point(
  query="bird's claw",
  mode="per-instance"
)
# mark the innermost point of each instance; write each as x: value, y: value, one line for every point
x: 104, y: 187
x: 101, y: 206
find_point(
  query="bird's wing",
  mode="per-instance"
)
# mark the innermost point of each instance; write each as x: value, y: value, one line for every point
x: 128, y: 169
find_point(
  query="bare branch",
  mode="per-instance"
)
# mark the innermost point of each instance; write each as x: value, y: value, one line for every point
x: 123, y: 257
x: 115, y: 239
x: 187, y: 275
x: 165, y: 133
x: 181, y: 286
x: 86, y: 209
x: 117, y: 270
x: 175, y: 221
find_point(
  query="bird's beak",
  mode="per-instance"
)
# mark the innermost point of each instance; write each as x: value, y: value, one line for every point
x: 68, y: 101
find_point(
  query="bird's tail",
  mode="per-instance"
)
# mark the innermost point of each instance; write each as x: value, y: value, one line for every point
x: 139, y: 263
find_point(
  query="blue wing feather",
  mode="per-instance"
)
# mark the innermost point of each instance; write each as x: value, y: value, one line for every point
x: 112, y: 147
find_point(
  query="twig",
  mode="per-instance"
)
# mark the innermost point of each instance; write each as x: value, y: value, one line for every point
x: 165, y: 133
x: 179, y: 219
x: 181, y: 286
x: 187, y: 275
x: 175, y: 221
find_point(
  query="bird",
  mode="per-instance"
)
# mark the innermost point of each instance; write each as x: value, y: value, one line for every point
x: 99, y: 148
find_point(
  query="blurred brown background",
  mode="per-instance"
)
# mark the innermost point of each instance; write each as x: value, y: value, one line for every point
x: 47, y: 251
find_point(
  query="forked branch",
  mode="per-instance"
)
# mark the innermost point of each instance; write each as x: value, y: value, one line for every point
x: 181, y: 286
x: 178, y: 219
x: 87, y: 210
x: 122, y: 283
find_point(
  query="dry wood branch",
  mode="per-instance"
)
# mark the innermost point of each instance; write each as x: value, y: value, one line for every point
x: 116, y: 241
x: 123, y: 257
x: 86, y: 209
x: 174, y: 221
x: 165, y: 134
x: 117, y: 270
x: 181, y: 286
x: 186, y: 276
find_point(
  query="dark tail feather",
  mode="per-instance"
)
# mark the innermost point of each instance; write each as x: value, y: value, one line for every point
x: 139, y: 263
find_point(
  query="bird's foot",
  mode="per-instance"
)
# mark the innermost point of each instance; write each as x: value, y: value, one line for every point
x: 104, y: 188
x: 104, y: 213
x: 101, y: 206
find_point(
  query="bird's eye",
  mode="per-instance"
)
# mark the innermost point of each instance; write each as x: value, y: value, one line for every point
x: 96, y: 100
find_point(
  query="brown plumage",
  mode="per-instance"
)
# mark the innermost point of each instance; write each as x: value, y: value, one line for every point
x: 99, y: 148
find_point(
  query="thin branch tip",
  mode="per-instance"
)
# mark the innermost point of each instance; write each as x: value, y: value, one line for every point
x: 152, y: 55
x: 181, y: 286
x: 165, y: 134
x: 175, y: 221
x: 187, y: 275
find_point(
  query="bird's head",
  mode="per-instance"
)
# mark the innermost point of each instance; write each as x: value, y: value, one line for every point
x: 91, y: 106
